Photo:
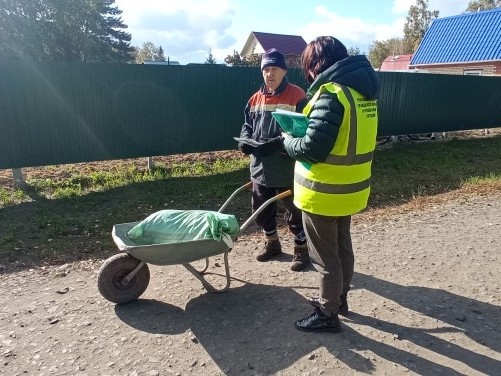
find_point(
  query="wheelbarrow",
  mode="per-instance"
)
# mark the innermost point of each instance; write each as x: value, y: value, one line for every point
x: 123, y: 277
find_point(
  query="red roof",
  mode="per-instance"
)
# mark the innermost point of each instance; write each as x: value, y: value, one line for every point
x: 396, y: 63
x: 286, y: 44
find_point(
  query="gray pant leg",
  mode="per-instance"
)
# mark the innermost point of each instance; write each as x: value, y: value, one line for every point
x: 346, y: 251
x: 294, y: 219
x: 329, y: 244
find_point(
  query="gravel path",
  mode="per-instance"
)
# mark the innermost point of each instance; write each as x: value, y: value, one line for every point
x: 426, y: 300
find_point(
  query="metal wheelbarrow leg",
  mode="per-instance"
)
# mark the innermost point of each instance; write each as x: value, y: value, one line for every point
x: 207, y: 284
x: 199, y: 274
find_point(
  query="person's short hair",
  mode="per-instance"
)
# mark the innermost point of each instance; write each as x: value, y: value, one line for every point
x: 320, y: 54
x: 274, y: 58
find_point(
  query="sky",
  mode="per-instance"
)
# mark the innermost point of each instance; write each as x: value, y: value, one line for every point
x: 188, y: 29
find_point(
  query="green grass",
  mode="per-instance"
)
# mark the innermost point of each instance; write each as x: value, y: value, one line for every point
x: 490, y: 178
x: 79, y: 184
x: 9, y: 197
x: 57, y: 220
x: 406, y: 171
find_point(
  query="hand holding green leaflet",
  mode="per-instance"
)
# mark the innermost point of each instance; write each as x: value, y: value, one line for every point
x: 292, y: 123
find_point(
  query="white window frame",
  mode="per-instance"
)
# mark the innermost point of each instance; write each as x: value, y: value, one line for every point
x: 472, y: 72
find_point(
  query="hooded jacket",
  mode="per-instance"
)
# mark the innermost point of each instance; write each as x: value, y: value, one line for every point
x: 327, y: 113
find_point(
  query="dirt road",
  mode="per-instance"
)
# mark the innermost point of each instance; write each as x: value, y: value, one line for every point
x: 426, y: 300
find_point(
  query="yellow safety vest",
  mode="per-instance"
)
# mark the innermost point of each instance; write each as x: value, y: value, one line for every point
x: 340, y: 185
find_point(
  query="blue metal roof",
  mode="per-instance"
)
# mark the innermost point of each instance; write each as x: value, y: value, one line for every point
x: 468, y: 37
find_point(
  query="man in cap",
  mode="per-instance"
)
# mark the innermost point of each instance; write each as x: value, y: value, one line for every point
x: 272, y: 170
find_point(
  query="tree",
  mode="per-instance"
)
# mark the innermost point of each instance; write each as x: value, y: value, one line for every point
x: 235, y: 60
x: 253, y: 60
x: 418, y: 21
x: 354, y: 51
x: 149, y: 52
x: 380, y: 50
x: 63, y: 30
x: 160, y: 55
x: 210, y: 59
x: 16, y: 30
x: 108, y: 31
x: 475, y: 6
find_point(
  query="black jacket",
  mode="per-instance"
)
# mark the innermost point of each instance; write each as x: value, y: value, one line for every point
x: 276, y: 170
x: 327, y: 113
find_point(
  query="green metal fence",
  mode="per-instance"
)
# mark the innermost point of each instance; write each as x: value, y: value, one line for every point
x: 421, y: 103
x: 57, y: 113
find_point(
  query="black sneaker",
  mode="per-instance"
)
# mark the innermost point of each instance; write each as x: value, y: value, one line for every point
x: 343, y: 306
x: 319, y: 322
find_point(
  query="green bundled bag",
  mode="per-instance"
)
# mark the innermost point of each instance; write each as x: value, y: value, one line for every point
x: 175, y: 226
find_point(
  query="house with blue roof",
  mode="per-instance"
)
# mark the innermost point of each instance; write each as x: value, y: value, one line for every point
x: 466, y: 44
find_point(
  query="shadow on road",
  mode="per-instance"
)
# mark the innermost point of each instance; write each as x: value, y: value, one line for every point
x: 249, y: 330
x: 475, y: 319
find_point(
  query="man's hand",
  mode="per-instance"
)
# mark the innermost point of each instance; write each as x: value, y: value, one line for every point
x: 272, y: 146
x: 244, y: 148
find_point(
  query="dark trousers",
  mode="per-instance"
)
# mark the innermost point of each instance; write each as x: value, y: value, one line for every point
x: 331, y: 253
x: 267, y: 219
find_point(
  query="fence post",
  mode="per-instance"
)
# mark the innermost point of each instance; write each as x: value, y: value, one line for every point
x: 151, y: 164
x: 17, y: 174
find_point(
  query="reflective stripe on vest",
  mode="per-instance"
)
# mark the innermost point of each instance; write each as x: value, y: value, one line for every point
x: 341, y: 184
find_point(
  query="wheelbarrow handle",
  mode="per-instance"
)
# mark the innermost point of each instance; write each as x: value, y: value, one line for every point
x: 283, y: 194
x: 237, y: 191
x: 263, y: 206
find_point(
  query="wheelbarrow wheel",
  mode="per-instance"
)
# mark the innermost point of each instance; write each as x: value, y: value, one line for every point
x: 111, y: 276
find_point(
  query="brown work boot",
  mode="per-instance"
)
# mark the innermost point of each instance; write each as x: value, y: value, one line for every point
x: 271, y: 248
x: 301, y: 258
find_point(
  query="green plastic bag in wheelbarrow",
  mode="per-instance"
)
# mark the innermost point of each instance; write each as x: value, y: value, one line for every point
x: 175, y: 226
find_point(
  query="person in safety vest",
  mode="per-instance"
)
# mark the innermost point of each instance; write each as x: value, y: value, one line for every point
x: 333, y: 168
x: 271, y: 169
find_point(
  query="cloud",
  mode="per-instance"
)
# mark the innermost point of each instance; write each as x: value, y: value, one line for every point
x: 187, y: 29
x: 360, y: 32
x: 448, y: 7
x: 352, y: 31
x: 402, y: 6
x: 445, y: 7
x: 184, y: 30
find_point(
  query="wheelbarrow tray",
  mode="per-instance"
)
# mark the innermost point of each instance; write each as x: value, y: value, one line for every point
x: 169, y: 253
x: 123, y: 277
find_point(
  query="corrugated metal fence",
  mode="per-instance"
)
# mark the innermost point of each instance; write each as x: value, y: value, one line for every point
x: 413, y: 103
x: 56, y: 113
